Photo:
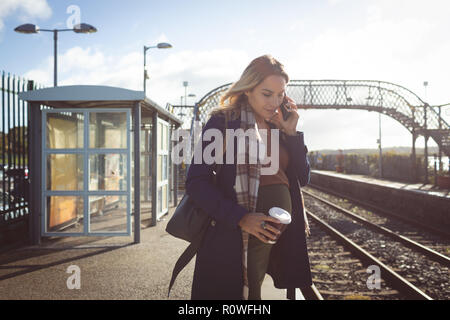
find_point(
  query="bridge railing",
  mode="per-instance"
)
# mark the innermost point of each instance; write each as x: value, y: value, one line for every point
x: 358, y: 94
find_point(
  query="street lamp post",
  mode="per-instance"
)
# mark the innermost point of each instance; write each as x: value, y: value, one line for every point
x: 29, y: 28
x: 161, y: 45
x: 425, y: 85
x: 380, y: 161
x: 185, y: 84
x: 191, y: 95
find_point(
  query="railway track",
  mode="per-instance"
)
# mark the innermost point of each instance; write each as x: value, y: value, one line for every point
x: 420, y: 242
x: 381, y: 212
x: 409, y: 269
x: 337, y: 273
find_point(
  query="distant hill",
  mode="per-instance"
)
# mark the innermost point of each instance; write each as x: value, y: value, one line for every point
x: 398, y: 150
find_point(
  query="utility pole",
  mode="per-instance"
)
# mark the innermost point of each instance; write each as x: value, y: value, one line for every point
x: 380, y: 160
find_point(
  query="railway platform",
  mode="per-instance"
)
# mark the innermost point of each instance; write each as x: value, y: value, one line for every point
x: 427, y: 189
x: 418, y: 203
x: 110, y: 268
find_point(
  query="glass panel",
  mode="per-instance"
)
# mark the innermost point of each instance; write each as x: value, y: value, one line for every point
x: 166, y: 137
x: 164, y: 172
x: 150, y: 140
x: 159, y: 168
x: 64, y: 172
x: 142, y: 162
x: 65, y: 130
x: 64, y: 214
x: 159, y: 208
x: 108, y: 172
x: 161, y: 135
x: 164, y: 200
x: 108, y: 130
x: 144, y: 141
x: 145, y: 189
x: 108, y: 214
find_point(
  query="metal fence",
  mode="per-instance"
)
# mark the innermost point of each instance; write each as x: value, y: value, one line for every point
x: 14, y: 182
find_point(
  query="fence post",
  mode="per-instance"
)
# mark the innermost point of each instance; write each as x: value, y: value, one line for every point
x: 435, y: 169
x: 34, y: 160
x: 413, y: 155
x: 426, y: 142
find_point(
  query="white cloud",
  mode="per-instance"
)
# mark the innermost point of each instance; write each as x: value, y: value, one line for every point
x: 162, y: 38
x: 334, y: 2
x: 204, y: 70
x: 373, y: 13
x: 331, y: 129
x: 379, y: 49
x: 77, y: 58
x: 403, y: 42
x: 26, y: 9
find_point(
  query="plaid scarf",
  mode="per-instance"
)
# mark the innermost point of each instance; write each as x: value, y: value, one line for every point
x: 247, y: 181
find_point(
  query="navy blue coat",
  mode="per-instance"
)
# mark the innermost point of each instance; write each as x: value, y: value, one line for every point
x: 218, y: 268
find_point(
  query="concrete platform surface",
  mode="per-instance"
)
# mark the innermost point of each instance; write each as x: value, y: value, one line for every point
x: 109, y: 268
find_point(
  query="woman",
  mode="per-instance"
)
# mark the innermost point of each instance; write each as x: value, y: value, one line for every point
x: 235, y: 253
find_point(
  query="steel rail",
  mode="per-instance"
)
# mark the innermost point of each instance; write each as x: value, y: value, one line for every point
x: 390, y: 276
x: 311, y: 293
x: 383, y: 211
x: 430, y: 253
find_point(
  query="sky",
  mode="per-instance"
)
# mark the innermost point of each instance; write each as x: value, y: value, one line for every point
x: 400, y: 41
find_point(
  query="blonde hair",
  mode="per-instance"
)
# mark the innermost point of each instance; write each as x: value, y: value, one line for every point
x: 255, y: 73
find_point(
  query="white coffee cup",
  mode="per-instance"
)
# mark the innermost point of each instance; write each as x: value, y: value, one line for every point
x: 281, y: 215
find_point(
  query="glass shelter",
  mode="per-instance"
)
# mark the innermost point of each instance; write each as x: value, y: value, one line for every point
x: 83, y: 165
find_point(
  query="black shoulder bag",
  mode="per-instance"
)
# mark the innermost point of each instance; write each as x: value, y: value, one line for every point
x: 189, y: 223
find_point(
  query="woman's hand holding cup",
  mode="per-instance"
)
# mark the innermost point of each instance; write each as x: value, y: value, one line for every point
x: 257, y: 224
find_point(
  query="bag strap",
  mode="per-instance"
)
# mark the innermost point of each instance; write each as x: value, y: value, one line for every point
x: 185, y: 258
x: 193, y: 247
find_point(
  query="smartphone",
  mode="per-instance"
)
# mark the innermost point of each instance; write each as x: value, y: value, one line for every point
x: 283, y: 108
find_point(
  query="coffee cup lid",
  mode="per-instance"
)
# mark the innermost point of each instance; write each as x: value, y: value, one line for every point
x: 280, y: 214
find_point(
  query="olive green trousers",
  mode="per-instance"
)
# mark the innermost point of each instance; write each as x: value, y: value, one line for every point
x: 276, y: 195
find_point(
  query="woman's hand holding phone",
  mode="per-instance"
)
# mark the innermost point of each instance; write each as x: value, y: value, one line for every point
x: 287, y: 118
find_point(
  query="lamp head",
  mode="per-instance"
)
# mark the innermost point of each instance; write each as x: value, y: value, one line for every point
x: 27, y: 28
x: 164, y: 45
x: 84, y: 28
